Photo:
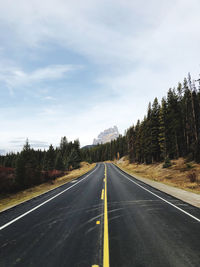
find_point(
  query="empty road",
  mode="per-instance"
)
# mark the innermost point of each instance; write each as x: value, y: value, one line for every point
x: 104, y: 218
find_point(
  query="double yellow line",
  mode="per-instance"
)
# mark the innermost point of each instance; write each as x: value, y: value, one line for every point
x: 106, y: 238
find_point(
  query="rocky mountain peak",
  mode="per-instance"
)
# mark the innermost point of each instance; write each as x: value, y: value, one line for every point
x: 107, y: 135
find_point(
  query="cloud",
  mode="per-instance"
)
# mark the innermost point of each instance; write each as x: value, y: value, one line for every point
x: 106, y: 32
x: 132, y: 51
x: 14, y: 77
x: 18, y: 143
x: 118, y: 34
x: 49, y: 98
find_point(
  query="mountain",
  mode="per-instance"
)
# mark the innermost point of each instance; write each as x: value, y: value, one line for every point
x: 106, y: 136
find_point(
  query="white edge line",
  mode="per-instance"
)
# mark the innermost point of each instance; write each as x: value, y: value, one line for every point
x: 43, y: 203
x: 15, y: 205
x: 195, y: 218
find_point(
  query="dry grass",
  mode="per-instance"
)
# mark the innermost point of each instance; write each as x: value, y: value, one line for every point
x: 180, y: 174
x: 14, y: 199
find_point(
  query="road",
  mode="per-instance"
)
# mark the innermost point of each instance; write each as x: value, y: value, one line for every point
x: 104, y: 218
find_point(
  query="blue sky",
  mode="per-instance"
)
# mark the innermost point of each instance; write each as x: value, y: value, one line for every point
x: 75, y: 68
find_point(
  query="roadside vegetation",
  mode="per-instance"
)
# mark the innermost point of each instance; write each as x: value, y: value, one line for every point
x: 19, y: 171
x: 9, y: 200
x: 180, y: 174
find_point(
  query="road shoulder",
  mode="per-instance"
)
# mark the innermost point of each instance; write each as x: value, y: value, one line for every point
x: 186, y: 196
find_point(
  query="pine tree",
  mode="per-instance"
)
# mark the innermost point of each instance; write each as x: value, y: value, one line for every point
x: 74, y: 159
x: 59, y: 164
x: 28, y: 172
x: 49, y: 159
x: 155, y: 148
x: 162, y: 129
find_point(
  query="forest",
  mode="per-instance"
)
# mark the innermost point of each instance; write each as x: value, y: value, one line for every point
x: 32, y: 167
x: 169, y: 130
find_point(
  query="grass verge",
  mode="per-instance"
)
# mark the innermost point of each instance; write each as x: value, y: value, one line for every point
x: 11, y: 200
x: 181, y: 174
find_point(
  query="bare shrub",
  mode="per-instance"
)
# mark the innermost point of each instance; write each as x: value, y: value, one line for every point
x: 7, y: 180
x: 193, y: 177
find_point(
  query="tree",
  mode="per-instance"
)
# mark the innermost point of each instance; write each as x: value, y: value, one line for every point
x: 49, y: 159
x: 28, y: 172
x: 155, y: 148
x: 74, y: 159
x: 162, y: 129
x: 59, y: 164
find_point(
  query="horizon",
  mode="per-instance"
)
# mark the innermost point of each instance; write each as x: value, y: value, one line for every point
x: 34, y: 144
x: 74, y: 69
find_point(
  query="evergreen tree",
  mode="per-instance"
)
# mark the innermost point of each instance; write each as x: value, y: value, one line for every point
x: 74, y: 159
x: 28, y: 172
x: 49, y: 159
x: 155, y: 148
x: 162, y: 129
x: 59, y: 164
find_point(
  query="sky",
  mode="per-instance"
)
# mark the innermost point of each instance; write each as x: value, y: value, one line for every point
x: 74, y: 68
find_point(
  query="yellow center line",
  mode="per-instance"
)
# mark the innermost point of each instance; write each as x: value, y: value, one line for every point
x: 102, y: 194
x: 106, y: 238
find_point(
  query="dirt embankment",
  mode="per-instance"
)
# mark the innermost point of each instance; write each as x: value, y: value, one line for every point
x: 10, y: 200
x: 182, y: 174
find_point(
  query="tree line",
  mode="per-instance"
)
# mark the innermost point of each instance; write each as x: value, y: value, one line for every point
x: 31, y: 167
x: 109, y: 151
x: 169, y: 130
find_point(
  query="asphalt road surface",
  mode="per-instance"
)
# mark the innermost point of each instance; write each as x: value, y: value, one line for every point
x: 104, y: 218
